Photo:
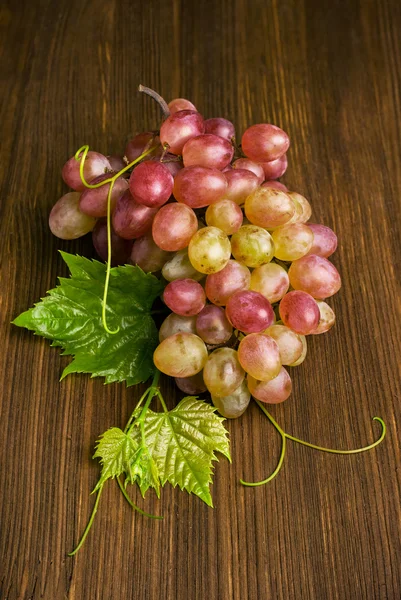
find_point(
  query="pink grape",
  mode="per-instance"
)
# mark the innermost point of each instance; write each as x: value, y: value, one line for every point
x: 226, y: 215
x: 180, y: 104
x: 221, y: 127
x: 289, y: 343
x: 249, y: 311
x: 193, y: 385
x: 306, y: 210
x: 299, y: 311
x: 199, y: 186
x: 235, y: 404
x: 180, y: 127
x: 240, y: 183
x: 269, y: 208
x: 185, y: 297
x: 177, y: 324
x: 137, y: 145
x: 271, y: 281
x: 95, y: 164
x: 259, y: 356
x: 66, y: 221
x: 272, y: 392
x: 233, y: 278
x: 180, y: 355
x: 120, y: 248
x: 147, y: 255
x: 324, y: 240
x: 207, y: 150
x: 117, y: 163
x: 222, y: 372
x: 213, y: 326
x: 327, y: 318
x: 151, y: 184
x: 130, y: 219
x: 250, y: 165
x: 315, y: 275
x: 275, y: 185
x: 173, y: 226
x: 264, y: 142
x: 275, y: 168
x: 93, y: 202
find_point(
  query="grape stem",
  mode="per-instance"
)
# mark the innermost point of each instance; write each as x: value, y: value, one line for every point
x: 284, y: 436
x: 161, y: 102
x: 81, y: 156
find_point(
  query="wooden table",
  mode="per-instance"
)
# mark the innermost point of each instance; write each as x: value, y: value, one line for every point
x: 329, y: 526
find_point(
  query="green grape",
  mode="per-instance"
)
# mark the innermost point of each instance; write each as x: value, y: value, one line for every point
x: 252, y: 246
x: 179, y: 267
x: 209, y: 250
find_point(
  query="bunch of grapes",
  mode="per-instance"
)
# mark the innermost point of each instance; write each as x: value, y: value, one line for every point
x: 246, y: 274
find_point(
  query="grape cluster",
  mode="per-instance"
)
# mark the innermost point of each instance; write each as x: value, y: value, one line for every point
x: 246, y: 275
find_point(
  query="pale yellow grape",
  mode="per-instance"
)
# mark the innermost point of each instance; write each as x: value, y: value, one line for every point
x: 209, y: 250
x: 306, y: 213
x: 292, y: 241
x: 66, y: 221
x: 226, y: 215
x: 327, y: 318
x: 235, y: 404
x: 252, y: 246
x: 180, y: 355
x: 223, y: 373
x: 269, y: 208
x: 304, y: 351
x: 271, y: 281
x: 179, y: 267
x: 177, y: 324
x: 289, y: 343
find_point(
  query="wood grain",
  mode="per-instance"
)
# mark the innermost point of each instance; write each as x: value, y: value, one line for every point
x: 329, y: 526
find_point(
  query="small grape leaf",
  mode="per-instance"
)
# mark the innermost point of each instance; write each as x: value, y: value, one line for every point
x: 116, y: 451
x: 182, y: 443
x: 145, y: 472
x: 71, y: 316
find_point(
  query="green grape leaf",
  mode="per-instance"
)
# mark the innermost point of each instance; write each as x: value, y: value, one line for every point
x: 182, y: 443
x: 116, y: 451
x: 71, y: 316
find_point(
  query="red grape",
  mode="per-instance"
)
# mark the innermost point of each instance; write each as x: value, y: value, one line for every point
x: 207, y: 150
x: 241, y: 183
x: 264, y: 142
x: 275, y: 168
x: 95, y: 164
x: 130, y: 219
x: 199, y: 186
x: 221, y: 127
x: 299, y: 311
x: 315, y: 275
x: 184, y: 297
x: 173, y: 226
x: 151, y: 184
x: 249, y: 311
x: 93, y: 202
x: 180, y: 127
x: 120, y: 248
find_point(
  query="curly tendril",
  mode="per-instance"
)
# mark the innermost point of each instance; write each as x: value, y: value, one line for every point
x: 81, y: 155
x: 284, y: 436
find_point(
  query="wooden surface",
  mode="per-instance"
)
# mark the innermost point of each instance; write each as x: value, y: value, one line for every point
x: 329, y: 526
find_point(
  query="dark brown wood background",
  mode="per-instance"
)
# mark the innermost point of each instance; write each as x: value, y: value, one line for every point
x: 329, y: 526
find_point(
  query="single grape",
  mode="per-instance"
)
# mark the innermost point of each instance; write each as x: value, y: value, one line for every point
x: 95, y: 164
x: 272, y: 392
x: 151, y: 184
x: 184, y: 297
x: 180, y: 127
x: 213, y: 326
x: 327, y: 318
x: 199, y: 186
x: 130, y: 219
x: 120, y: 248
x: 299, y: 311
x: 193, y: 385
x: 275, y: 185
x: 176, y: 324
x: 66, y: 221
x: 275, y: 168
x: 249, y: 312
x: 207, y: 150
x: 222, y: 372
x: 253, y: 246
x: 240, y: 183
x: 324, y: 240
x: 306, y: 209
x: 226, y: 215
x: 117, y: 163
x: 264, y: 142
x: 221, y: 127
x: 269, y: 208
x: 93, y: 202
x: 180, y: 355
x: 271, y: 281
x: 250, y: 165
x: 315, y: 275
x: 259, y: 356
x: 180, y: 104
x: 233, y: 278
x: 304, y: 351
x: 234, y: 405
x: 179, y: 267
x: 292, y: 241
x: 173, y: 226
x: 209, y: 250
x: 147, y: 255
x: 289, y: 343
x: 137, y: 145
